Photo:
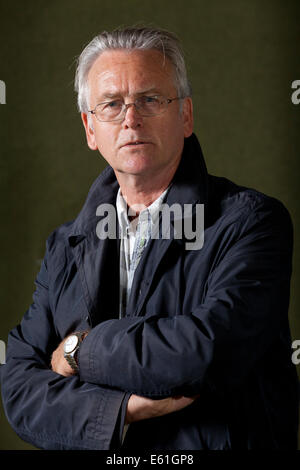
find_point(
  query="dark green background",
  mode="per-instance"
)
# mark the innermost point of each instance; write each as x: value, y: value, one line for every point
x: 242, y: 57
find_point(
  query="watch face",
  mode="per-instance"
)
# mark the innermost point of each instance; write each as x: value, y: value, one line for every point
x: 70, y: 343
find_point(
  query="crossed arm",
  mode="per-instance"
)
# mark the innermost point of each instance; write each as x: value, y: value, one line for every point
x: 138, y: 407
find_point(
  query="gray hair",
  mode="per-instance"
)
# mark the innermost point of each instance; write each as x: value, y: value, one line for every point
x: 141, y: 38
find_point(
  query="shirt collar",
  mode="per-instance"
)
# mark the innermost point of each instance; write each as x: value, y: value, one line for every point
x: 153, y: 210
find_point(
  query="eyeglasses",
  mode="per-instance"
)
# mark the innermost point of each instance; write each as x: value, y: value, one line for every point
x: 146, y: 106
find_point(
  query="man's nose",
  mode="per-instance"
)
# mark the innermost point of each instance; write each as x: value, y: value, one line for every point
x: 132, y: 117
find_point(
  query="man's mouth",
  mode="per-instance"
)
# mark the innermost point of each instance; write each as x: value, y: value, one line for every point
x: 136, y: 142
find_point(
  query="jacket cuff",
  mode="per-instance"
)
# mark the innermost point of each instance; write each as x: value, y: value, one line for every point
x: 85, y: 359
x: 111, y: 420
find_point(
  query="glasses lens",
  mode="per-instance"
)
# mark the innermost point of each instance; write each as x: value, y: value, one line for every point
x: 109, y: 111
x: 150, y: 105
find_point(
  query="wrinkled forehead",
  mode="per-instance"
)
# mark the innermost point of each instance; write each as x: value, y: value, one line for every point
x: 130, y: 73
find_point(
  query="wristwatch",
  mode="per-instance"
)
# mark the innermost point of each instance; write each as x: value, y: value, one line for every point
x: 71, y: 348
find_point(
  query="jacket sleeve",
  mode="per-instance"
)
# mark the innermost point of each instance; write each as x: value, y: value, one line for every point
x: 44, y: 408
x: 223, y: 338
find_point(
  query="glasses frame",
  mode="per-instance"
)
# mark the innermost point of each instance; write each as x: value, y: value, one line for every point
x: 133, y: 103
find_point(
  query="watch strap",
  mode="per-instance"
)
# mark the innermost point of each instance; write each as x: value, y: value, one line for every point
x: 71, y: 361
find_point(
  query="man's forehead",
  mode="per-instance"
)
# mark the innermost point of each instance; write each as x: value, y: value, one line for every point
x: 146, y: 67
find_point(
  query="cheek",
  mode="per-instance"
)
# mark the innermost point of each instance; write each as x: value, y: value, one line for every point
x: 166, y: 130
x: 105, y: 141
x: 172, y: 131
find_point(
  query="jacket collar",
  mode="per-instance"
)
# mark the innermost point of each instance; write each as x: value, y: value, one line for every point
x: 190, y: 182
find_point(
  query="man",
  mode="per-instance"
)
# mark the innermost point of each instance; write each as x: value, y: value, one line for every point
x: 147, y: 342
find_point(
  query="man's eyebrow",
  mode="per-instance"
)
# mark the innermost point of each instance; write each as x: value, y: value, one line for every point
x: 149, y: 90
x: 108, y: 95
x: 112, y: 95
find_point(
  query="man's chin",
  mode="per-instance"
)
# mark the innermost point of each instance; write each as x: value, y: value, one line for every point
x: 134, y: 171
x: 137, y: 166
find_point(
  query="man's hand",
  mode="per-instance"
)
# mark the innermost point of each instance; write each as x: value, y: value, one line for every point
x: 139, y: 408
x: 59, y: 364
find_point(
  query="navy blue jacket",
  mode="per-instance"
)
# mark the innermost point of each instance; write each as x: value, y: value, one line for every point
x: 212, y: 322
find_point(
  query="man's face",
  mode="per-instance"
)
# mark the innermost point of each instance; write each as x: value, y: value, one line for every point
x: 127, y: 75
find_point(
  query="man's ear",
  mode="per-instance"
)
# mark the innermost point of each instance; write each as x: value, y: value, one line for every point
x: 89, y: 132
x: 188, y: 117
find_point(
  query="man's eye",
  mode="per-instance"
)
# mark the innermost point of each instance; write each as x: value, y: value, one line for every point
x: 150, y: 99
x: 113, y: 104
